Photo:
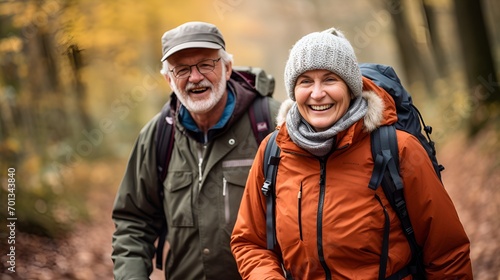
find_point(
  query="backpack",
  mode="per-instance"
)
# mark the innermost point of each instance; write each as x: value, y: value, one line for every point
x: 384, y: 148
x: 260, y: 118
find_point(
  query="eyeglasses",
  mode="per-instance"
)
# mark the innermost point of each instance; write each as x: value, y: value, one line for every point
x: 204, y: 66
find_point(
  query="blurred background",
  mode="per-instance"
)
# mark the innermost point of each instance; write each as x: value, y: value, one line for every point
x: 79, y: 78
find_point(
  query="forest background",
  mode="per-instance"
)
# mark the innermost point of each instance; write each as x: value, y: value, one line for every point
x: 79, y: 78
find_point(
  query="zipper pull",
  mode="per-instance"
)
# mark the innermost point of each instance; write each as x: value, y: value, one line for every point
x: 224, y: 186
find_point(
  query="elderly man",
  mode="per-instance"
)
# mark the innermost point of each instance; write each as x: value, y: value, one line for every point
x: 209, y: 163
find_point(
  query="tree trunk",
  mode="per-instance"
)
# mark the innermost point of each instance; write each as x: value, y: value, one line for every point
x: 479, y: 64
x: 435, y: 42
x: 415, y: 61
x: 75, y: 59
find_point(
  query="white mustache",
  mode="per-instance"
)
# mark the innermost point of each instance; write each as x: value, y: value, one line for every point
x: 190, y: 86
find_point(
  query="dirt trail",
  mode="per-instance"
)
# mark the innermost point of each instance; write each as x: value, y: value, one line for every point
x: 472, y: 178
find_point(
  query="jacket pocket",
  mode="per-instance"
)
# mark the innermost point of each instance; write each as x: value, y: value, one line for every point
x: 233, y: 184
x: 179, y: 198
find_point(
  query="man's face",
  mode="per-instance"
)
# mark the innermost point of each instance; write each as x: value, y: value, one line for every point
x: 198, y: 92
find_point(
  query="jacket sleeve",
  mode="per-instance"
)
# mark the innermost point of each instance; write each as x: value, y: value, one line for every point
x: 248, y: 240
x: 446, y: 247
x: 137, y: 211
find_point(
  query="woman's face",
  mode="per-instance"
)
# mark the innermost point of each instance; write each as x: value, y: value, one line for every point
x: 322, y: 98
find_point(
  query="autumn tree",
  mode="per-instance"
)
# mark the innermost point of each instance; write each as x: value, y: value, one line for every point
x: 483, y: 86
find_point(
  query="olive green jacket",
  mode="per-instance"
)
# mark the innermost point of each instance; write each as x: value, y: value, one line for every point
x: 201, y: 199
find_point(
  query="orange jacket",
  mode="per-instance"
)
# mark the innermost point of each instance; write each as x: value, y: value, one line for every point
x: 343, y: 222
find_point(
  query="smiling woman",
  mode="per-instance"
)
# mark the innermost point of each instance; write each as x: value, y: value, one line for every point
x: 321, y: 184
x: 322, y: 98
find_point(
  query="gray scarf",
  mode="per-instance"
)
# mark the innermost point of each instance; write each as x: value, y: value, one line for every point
x: 320, y: 143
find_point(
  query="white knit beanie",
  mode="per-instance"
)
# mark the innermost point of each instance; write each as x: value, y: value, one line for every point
x: 328, y: 50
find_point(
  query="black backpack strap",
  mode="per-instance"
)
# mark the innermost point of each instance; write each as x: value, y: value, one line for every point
x: 260, y: 118
x: 164, y: 146
x: 161, y: 245
x: 164, y: 141
x: 402, y: 273
x: 431, y: 145
x: 385, y: 154
x: 386, y: 173
x: 384, y: 253
x: 271, y: 161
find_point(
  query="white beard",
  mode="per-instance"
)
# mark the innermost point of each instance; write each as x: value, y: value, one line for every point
x: 201, y: 106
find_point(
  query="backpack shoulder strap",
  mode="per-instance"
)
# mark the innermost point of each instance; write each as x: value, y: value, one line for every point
x: 260, y: 118
x: 164, y: 146
x: 270, y: 168
x: 384, y: 148
x: 164, y: 141
x: 385, y: 154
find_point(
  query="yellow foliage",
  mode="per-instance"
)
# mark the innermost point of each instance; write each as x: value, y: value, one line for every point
x: 10, y: 44
x: 11, y: 145
x: 31, y: 165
